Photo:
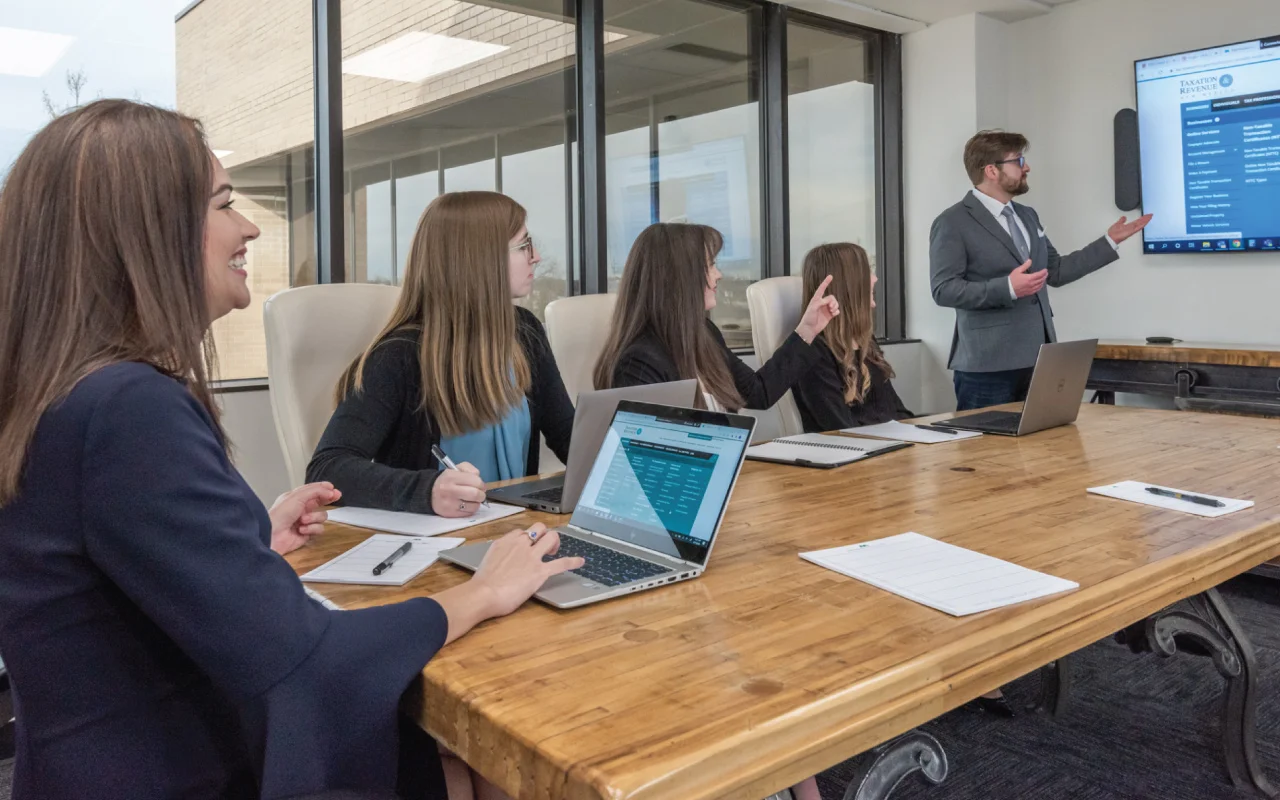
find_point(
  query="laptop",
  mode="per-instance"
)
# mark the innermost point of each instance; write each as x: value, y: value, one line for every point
x: 1057, y: 385
x: 559, y: 494
x: 651, y: 507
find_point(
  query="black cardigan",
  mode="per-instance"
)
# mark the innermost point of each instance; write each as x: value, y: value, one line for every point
x: 377, y: 447
x: 820, y: 397
x: 646, y: 361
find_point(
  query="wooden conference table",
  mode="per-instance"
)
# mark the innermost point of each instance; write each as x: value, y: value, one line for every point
x: 768, y: 669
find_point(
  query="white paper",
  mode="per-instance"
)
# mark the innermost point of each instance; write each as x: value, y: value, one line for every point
x: 356, y: 565
x: 417, y: 524
x: 904, y: 432
x: 1135, y: 491
x: 818, y: 448
x: 939, y: 575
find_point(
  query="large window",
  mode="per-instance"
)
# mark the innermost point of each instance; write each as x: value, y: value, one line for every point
x: 683, y: 135
x: 447, y: 96
x: 253, y: 94
x: 831, y: 140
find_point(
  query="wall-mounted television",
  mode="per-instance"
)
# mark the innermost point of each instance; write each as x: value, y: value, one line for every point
x: 1209, y: 140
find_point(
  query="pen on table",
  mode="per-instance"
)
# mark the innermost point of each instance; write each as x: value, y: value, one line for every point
x: 448, y: 464
x: 1190, y: 498
x: 936, y: 429
x: 393, y: 558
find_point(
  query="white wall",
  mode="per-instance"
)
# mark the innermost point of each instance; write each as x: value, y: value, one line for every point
x: 1059, y: 79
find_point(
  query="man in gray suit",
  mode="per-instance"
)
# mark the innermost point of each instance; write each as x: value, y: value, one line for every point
x: 989, y: 259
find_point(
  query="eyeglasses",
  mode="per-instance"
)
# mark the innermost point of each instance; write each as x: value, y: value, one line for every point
x: 1021, y: 161
x: 525, y: 244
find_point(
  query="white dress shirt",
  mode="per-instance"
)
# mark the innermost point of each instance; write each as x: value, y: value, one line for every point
x: 997, y: 210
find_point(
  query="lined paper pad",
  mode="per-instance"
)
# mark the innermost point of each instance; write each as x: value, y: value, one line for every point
x: 818, y: 448
x: 1135, y: 491
x: 904, y: 432
x: 939, y: 575
x: 417, y: 524
x: 356, y: 565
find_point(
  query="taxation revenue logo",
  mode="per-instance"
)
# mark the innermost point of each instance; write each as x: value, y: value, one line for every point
x: 1205, y: 85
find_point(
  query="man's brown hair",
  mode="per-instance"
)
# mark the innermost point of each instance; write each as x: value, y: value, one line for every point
x: 989, y: 147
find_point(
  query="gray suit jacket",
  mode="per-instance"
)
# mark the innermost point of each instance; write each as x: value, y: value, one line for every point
x: 970, y: 258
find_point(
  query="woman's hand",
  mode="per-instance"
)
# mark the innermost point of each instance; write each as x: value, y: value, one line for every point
x: 297, y: 516
x: 818, y: 314
x: 512, y: 570
x: 457, y: 492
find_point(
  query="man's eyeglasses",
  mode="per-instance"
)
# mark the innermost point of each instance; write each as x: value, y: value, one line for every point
x: 527, y: 245
x: 1021, y: 161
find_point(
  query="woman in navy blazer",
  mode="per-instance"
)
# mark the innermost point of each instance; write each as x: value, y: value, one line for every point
x: 157, y: 645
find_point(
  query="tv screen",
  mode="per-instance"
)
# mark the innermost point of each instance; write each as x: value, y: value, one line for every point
x: 1209, y: 137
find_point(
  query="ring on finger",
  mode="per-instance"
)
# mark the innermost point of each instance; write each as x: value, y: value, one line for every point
x: 533, y: 535
x: 462, y: 505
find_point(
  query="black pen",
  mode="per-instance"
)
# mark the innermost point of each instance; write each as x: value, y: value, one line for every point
x: 448, y: 464
x: 1190, y: 498
x: 393, y: 558
x: 936, y: 429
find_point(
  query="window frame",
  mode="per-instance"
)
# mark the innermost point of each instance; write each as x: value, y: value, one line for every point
x: 586, y: 174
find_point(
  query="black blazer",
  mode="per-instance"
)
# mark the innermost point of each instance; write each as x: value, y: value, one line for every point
x: 157, y: 647
x: 646, y: 360
x: 377, y: 446
x: 820, y: 397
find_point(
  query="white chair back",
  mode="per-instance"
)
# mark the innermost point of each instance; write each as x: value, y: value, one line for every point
x: 577, y: 328
x: 313, y: 335
x: 775, y: 307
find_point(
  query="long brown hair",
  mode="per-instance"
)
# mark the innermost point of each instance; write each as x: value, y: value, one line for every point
x: 661, y: 292
x: 458, y: 294
x: 851, y: 336
x: 101, y: 260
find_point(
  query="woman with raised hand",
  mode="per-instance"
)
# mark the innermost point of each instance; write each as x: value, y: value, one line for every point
x: 156, y: 645
x: 849, y: 386
x: 458, y: 367
x: 661, y: 332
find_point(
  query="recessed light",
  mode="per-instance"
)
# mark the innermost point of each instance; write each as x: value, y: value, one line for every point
x: 416, y: 56
x: 221, y: 154
x: 30, y: 54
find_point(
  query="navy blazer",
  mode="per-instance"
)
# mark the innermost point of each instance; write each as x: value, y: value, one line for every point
x: 157, y: 646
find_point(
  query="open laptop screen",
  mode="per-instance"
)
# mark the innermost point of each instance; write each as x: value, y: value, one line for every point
x: 663, y: 477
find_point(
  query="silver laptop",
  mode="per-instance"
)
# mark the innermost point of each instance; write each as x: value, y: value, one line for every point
x: 559, y: 494
x: 1057, y: 386
x: 652, y: 505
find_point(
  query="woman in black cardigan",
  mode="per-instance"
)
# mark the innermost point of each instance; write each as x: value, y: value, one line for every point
x: 849, y: 386
x: 660, y: 330
x: 457, y: 365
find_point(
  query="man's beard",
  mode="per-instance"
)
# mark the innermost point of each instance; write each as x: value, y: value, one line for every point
x: 1015, y: 187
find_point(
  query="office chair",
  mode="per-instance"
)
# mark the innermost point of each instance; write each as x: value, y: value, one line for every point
x: 313, y: 335
x: 6, y: 715
x: 577, y: 328
x: 775, y: 306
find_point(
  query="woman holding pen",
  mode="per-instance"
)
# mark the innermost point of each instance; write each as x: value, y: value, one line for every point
x: 457, y: 368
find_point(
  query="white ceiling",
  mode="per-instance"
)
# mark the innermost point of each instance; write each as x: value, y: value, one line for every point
x: 904, y: 16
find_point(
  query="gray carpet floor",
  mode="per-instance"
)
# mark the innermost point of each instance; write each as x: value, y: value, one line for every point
x: 1139, y: 727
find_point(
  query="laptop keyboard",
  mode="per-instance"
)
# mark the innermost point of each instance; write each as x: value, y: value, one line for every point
x: 553, y: 495
x: 605, y: 566
x: 994, y: 420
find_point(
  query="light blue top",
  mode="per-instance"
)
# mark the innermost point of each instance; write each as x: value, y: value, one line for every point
x: 500, y: 451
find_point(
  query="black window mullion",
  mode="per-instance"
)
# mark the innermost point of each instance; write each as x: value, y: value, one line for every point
x: 776, y: 206
x: 327, y: 68
x: 891, y: 321
x: 589, y: 91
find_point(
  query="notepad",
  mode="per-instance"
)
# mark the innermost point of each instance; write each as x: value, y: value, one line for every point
x: 939, y: 575
x: 417, y: 524
x: 321, y: 599
x: 904, y: 432
x: 820, y: 450
x: 356, y: 565
x: 1135, y: 492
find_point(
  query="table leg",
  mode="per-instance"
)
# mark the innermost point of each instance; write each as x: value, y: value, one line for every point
x: 1104, y: 397
x: 1205, y: 626
x: 882, y: 768
x: 1056, y: 680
